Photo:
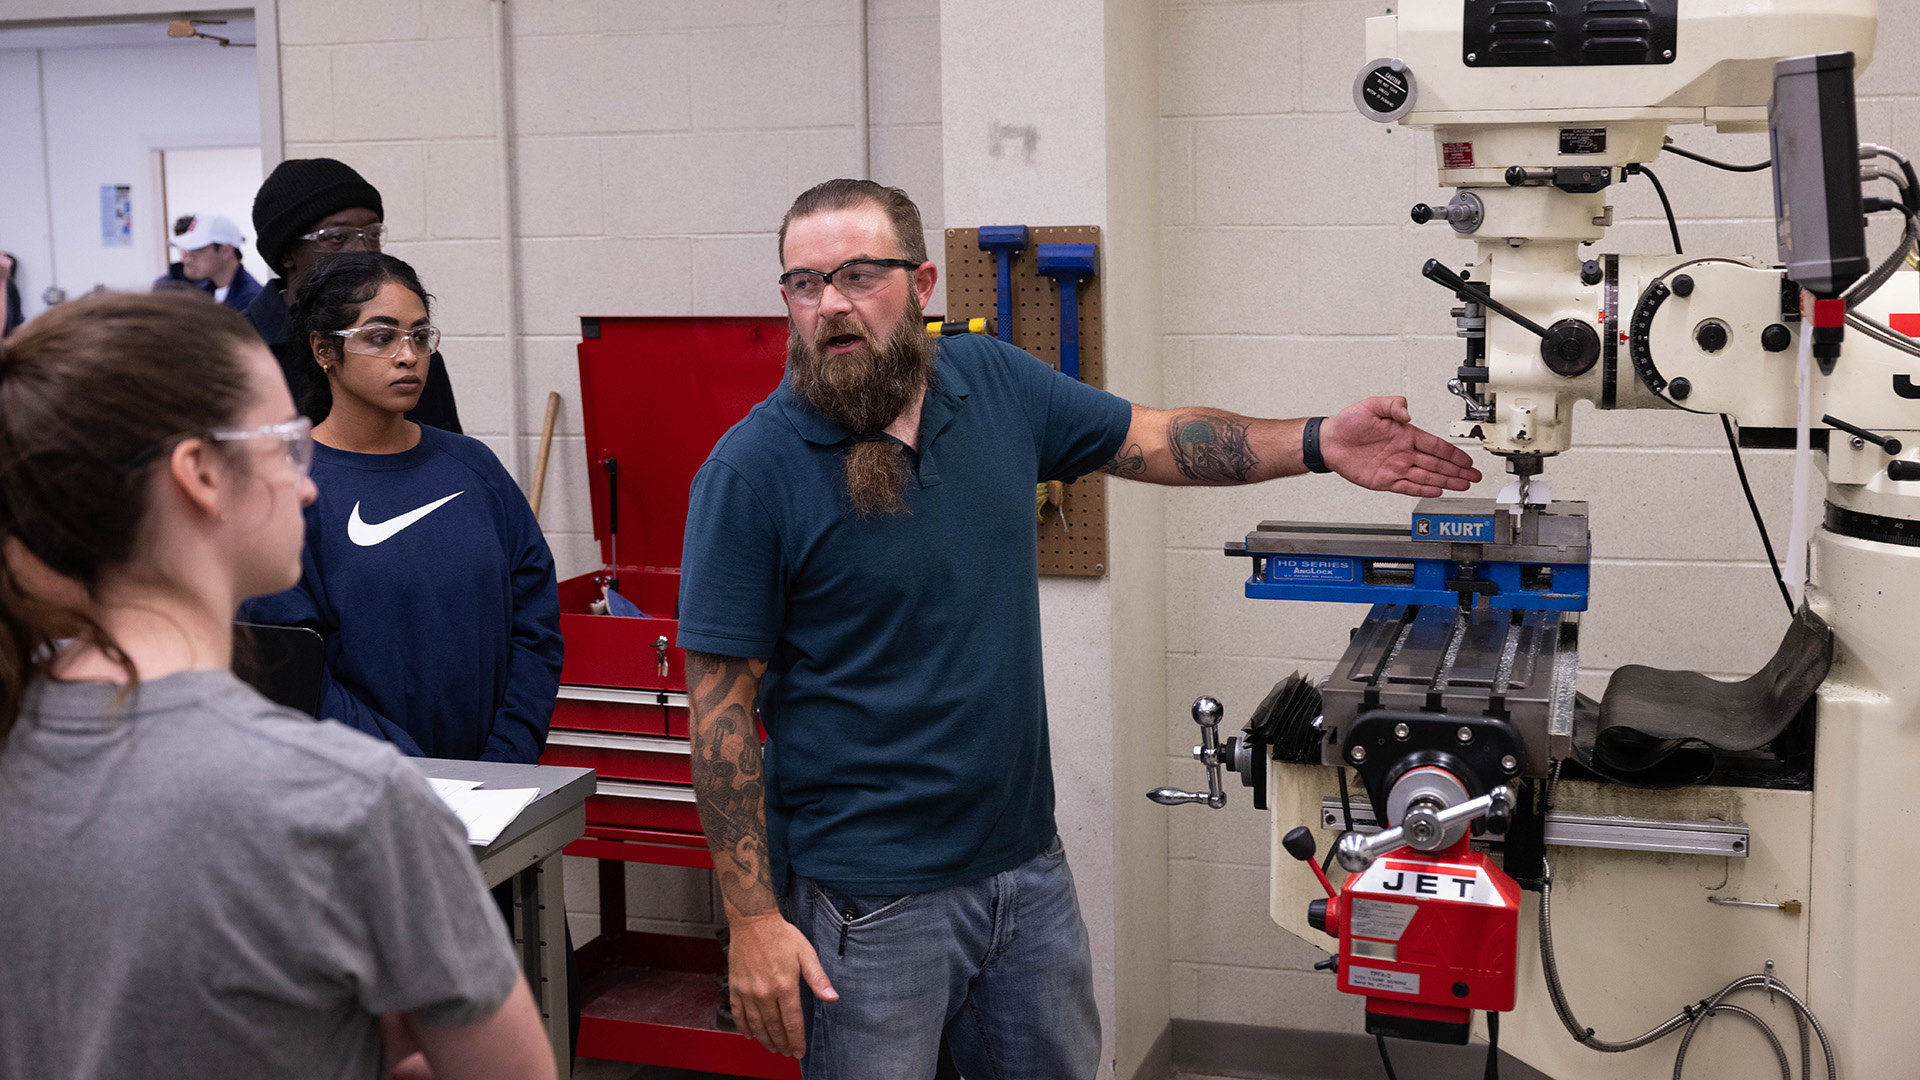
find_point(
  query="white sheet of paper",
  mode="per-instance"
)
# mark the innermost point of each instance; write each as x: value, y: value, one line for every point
x: 446, y: 787
x: 485, y: 813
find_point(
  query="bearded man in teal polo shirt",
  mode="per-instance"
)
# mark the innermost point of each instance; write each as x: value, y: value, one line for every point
x: 861, y: 567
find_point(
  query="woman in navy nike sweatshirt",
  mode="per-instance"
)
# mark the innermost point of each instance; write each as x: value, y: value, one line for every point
x: 424, y: 568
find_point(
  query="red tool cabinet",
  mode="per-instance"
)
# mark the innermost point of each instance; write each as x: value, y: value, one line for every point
x: 656, y: 394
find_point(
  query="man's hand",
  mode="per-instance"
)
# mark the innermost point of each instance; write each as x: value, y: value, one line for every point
x: 1373, y: 444
x: 767, y: 956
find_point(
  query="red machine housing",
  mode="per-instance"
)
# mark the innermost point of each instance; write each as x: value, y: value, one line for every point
x: 1427, y: 938
x: 656, y: 394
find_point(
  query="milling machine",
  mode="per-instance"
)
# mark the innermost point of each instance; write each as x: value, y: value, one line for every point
x: 1684, y: 858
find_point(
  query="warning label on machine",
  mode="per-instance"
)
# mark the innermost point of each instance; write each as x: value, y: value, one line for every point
x: 1381, y: 919
x: 1456, y: 155
x: 1398, y: 982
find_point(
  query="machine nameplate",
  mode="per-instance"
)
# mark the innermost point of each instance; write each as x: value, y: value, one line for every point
x: 1381, y: 919
x: 1440, y: 881
x: 1583, y: 140
x: 1468, y: 529
x: 1396, y: 982
x: 1280, y: 568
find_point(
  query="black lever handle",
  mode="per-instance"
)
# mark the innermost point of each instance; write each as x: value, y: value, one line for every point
x: 1474, y: 294
x: 1903, y: 470
x: 1885, y: 442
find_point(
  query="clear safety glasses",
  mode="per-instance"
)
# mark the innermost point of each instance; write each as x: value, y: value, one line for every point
x: 386, y: 341
x: 296, y: 436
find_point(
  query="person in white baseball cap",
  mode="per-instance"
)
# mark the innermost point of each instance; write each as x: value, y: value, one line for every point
x: 210, y: 260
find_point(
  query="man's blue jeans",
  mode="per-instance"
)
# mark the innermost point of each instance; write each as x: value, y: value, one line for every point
x: 1000, y: 966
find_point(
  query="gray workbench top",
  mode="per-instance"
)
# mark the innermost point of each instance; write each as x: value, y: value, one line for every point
x: 561, y: 789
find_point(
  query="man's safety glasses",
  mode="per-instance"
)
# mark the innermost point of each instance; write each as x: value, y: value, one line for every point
x: 386, y: 341
x: 295, y: 435
x: 347, y: 238
x: 856, y: 279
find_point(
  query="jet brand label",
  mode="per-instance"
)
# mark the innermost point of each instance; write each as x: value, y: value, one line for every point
x: 1428, y: 881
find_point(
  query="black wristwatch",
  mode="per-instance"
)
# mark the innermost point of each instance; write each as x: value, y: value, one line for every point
x: 1310, y: 446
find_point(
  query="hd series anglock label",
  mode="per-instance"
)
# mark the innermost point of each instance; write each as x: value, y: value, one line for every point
x: 1477, y: 530
x: 1395, y: 982
x: 1392, y: 879
x: 1301, y: 568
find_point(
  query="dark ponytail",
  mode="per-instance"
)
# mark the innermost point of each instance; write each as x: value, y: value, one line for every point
x: 329, y: 299
x: 93, y: 395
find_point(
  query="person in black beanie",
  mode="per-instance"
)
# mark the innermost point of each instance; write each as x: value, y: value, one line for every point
x: 305, y: 211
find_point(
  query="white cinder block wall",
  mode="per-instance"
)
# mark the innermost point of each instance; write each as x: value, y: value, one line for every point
x: 657, y: 143
x: 1292, y: 287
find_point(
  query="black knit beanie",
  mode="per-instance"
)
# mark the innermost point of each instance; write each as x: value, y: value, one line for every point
x: 300, y: 192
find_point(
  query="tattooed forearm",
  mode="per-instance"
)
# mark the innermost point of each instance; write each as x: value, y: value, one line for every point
x: 1130, y: 463
x: 1210, y: 448
x: 727, y: 778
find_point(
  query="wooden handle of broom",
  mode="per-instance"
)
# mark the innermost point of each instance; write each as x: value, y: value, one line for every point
x: 546, y: 447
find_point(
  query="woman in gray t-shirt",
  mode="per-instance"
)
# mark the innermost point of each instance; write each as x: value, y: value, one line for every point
x: 196, y: 882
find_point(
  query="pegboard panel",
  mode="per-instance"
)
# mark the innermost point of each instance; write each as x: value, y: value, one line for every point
x: 1079, y: 547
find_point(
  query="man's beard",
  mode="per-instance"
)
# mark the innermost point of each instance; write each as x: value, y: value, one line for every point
x: 863, y: 392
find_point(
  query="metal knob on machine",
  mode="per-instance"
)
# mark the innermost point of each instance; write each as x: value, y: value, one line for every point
x: 1464, y: 212
x: 1207, y: 713
x: 1424, y: 829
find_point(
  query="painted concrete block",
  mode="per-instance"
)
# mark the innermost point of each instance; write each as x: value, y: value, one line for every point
x: 306, y: 93
x: 651, y: 15
x: 413, y: 90
x: 560, y: 187
x: 802, y: 77
x: 332, y: 22
x: 1302, y: 170
x: 1263, y: 997
x: 1229, y: 281
x: 1176, y: 172
x: 464, y: 278
x: 552, y: 364
x: 1201, y: 890
x: 712, y: 182
x: 564, y: 279
x: 462, y: 201
x: 1242, y: 60
x: 909, y: 158
x: 736, y: 275
x: 459, y: 18
x: 477, y: 369
x: 398, y: 170
x: 1333, y: 40
x: 605, y: 83
x: 824, y: 154
x: 903, y: 71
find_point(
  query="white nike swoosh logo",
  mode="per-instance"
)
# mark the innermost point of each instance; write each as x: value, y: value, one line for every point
x: 368, y: 535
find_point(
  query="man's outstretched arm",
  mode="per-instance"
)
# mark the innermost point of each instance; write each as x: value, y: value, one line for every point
x: 1371, y: 443
x: 766, y: 955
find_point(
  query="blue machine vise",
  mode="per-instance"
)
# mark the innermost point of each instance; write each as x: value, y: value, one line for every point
x: 1455, y: 551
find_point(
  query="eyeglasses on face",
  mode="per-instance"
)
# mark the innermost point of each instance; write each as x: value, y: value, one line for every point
x: 295, y: 435
x: 347, y: 238
x: 856, y: 279
x: 386, y: 341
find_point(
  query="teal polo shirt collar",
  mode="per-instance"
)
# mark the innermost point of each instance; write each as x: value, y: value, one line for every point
x: 945, y: 398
